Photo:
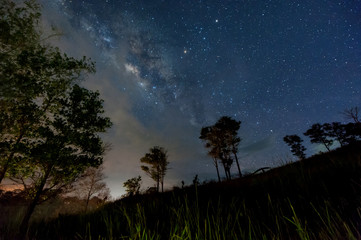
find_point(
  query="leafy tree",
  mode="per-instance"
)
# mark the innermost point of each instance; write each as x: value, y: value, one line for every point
x: 295, y: 142
x: 132, y: 185
x: 92, y: 183
x: 338, y: 131
x: 318, y: 134
x: 157, y: 161
x: 353, y: 132
x: 211, y: 138
x: 222, y: 141
x: 229, y: 129
x: 18, y: 40
x: 34, y: 78
x: 49, y: 125
x: 67, y: 143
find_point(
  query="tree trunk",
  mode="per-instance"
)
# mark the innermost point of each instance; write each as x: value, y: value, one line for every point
x: 225, y: 169
x: 326, y: 146
x: 239, y: 169
x: 4, y: 169
x: 29, y: 211
x: 158, y: 185
x: 216, y: 164
x: 10, y: 158
x: 162, y: 185
x: 229, y: 173
x: 87, y: 203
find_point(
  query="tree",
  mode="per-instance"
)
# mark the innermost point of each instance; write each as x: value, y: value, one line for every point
x: 132, y: 185
x: 295, y: 142
x: 18, y: 40
x: 338, y: 131
x: 34, y: 77
x: 318, y: 134
x: 229, y: 128
x: 157, y: 161
x: 49, y: 125
x: 90, y: 184
x: 65, y: 144
x: 222, y: 141
x: 353, y: 114
x: 211, y: 138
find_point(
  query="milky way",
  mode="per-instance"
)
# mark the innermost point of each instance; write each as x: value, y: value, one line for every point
x: 277, y: 66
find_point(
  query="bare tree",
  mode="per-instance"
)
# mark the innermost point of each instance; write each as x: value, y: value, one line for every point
x: 352, y: 114
x: 92, y: 184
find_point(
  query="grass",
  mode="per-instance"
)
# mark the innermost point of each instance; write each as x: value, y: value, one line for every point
x: 318, y: 198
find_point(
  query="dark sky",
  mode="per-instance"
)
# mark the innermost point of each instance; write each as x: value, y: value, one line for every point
x: 167, y: 68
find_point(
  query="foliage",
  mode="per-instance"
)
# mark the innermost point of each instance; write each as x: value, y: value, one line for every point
x: 328, y: 133
x: 49, y: 124
x: 35, y: 77
x: 132, y: 186
x: 222, y: 140
x: 317, y: 133
x: 157, y: 161
x: 295, y: 142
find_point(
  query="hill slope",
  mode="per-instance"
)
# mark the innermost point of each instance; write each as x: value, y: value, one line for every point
x: 317, y: 198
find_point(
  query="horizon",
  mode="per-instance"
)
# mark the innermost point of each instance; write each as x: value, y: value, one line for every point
x: 166, y: 69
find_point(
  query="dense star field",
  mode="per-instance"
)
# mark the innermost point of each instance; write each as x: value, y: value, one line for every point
x: 165, y: 69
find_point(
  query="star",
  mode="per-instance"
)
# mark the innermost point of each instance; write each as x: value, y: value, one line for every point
x: 166, y: 73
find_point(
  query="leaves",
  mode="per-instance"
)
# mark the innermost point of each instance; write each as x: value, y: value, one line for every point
x: 222, y: 140
x: 132, y: 185
x: 295, y: 142
x: 157, y: 161
x: 49, y: 125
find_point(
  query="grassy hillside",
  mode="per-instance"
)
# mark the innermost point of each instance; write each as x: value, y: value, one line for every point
x: 317, y: 198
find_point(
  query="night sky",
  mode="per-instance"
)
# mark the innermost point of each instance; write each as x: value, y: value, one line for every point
x: 165, y: 69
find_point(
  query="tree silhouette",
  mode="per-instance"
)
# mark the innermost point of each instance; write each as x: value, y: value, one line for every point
x: 353, y: 132
x: 132, y: 185
x: 67, y: 144
x: 353, y: 114
x: 34, y: 77
x: 211, y: 138
x: 295, y: 142
x: 222, y: 141
x: 319, y: 134
x: 157, y: 161
x: 353, y: 129
x: 229, y: 128
x: 49, y: 125
x: 92, y: 183
x: 339, y: 132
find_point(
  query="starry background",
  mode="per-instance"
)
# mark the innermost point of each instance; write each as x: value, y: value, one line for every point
x: 167, y: 68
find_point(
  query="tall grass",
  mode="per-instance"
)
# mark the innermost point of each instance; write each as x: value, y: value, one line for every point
x: 183, y: 218
x: 319, y: 198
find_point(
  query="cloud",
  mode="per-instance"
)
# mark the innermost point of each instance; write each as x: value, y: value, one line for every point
x: 137, y: 123
x: 259, y: 146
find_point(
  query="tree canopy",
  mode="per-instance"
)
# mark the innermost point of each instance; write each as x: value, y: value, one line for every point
x: 49, y: 124
x: 222, y: 141
x: 157, y: 165
x: 132, y: 185
x: 295, y: 142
